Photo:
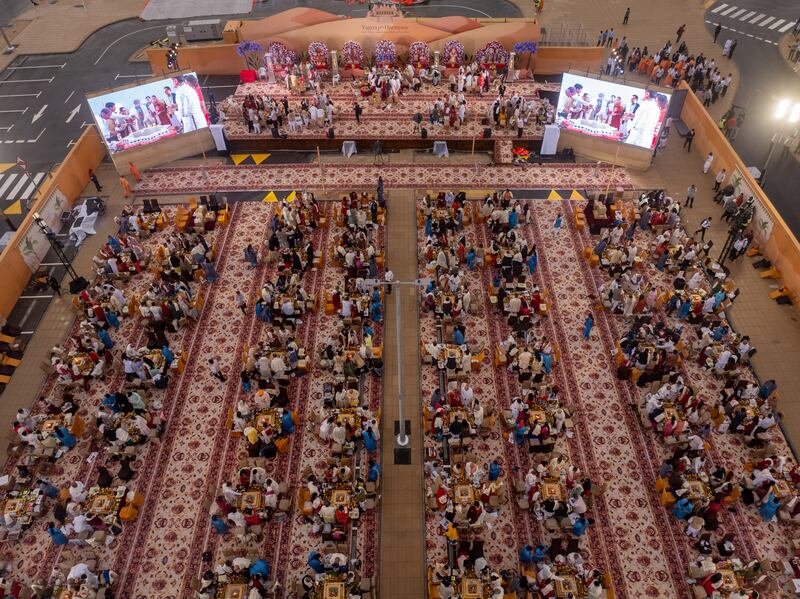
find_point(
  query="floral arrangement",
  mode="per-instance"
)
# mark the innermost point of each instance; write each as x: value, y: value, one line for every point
x: 454, y: 53
x: 523, y: 47
x: 252, y: 52
x: 385, y: 52
x: 530, y: 47
x: 318, y: 54
x: 353, y: 54
x: 281, y: 54
x: 419, y: 53
x: 492, y: 53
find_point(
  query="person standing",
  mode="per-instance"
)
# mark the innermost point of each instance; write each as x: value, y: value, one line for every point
x: 54, y: 285
x: 126, y: 187
x: 557, y: 223
x: 388, y: 277
x: 732, y: 48
x: 587, y: 325
x: 690, y: 193
x: 610, y: 38
x: 717, y: 29
x: 707, y: 164
x: 358, y: 110
x: 93, y: 179
x: 687, y: 142
x: 679, y: 33
x: 241, y: 301
x: 520, y: 125
x: 705, y: 224
x: 719, y: 179
x: 627, y: 15
x: 137, y: 176
x: 216, y: 371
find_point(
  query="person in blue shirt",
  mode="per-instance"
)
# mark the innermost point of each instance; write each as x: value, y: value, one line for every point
x: 47, y: 488
x: 494, y: 470
x: 110, y: 401
x: 769, y: 508
x: 376, y: 312
x: 370, y: 443
x: 287, y: 423
x: 682, y: 508
x: 539, y: 554
x: 105, y: 338
x: 683, y: 310
x: 219, y: 525
x: 587, y: 326
x: 533, y: 261
x: 114, y: 244
x: 512, y: 219
x: 111, y: 318
x: 260, y: 566
x: 458, y: 336
x: 374, y: 471
x: 580, y: 526
x: 471, y: 259
x: 547, y: 362
x: 428, y: 226
x: 368, y: 332
x: 58, y: 536
x: 64, y: 437
x: 315, y: 562
x: 526, y: 555
x: 168, y: 355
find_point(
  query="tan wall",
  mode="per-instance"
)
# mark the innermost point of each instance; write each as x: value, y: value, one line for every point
x: 167, y: 150
x: 71, y: 177
x: 613, y: 152
x: 554, y: 60
x: 782, y: 248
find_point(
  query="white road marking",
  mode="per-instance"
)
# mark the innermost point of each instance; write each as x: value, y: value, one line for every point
x: 7, y: 129
x: 719, y: 8
x: 39, y: 114
x: 32, y: 187
x: 731, y: 9
x: 776, y: 24
x: 786, y: 27
x: 747, y: 16
x: 41, y: 66
x: 34, y: 296
x: 20, y: 111
x: 737, y: 13
x: 69, y: 96
x: 27, y: 80
x: 766, y: 21
x: 70, y: 143
x: 758, y: 18
x: 99, y: 58
x: 36, y: 95
x: 22, y: 181
x: 7, y: 182
x: 74, y: 112
x: 38, y: 136
x: 118, y: 76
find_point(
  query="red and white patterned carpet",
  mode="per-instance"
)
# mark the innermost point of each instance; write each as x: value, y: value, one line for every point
x: 183, y: 180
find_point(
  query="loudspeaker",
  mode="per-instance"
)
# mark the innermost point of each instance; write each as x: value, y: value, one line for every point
x: 487, y: 133
x: 78, y: 285
x: 331, y: 134
x: 424, y: 133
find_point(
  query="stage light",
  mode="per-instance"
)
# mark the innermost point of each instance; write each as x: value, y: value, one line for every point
x: 794, y: 116
x: 782, y: 109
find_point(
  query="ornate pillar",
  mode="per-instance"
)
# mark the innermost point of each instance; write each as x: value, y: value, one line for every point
x: 270, y: 67
x: 436, y: 59
x: 511, y: 58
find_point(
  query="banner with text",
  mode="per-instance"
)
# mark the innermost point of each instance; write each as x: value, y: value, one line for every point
x: 34, y: 245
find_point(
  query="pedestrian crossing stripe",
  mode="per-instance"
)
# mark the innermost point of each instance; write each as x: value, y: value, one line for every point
x: 4, y: 166
x: 270, y: 198
x: 19, y: 186
x: 292, y: 196
x: 239, y: 158
x: 553, y: 195
x: 259, y: 158
x: 576, y: 195
x: 15, y: 208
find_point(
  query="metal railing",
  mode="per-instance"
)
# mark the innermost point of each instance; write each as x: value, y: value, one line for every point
x: 564, y: 35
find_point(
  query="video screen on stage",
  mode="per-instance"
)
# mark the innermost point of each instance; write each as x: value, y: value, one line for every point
x: 151, y: 112
x: 611, y: 110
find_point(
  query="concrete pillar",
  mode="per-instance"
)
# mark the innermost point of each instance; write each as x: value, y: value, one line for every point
x: 436, y: 59
x: 334, y: 63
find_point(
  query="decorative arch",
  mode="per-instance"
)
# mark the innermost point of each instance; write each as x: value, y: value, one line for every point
x: 385, y: 53
x: 319, y: 55
x: 353, y: 54
x: 419, y: 54
x: 493, y: 53
x: 282, y: 55
x: 453, y: 53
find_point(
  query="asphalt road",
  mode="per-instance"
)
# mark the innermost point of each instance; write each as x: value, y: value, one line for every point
x: 767, y: 79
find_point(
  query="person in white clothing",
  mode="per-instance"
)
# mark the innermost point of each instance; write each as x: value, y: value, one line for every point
x: 189, y: 107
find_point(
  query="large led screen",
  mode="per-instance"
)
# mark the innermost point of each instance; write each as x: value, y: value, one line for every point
x: 611, y: 110
x: 148, y: 113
